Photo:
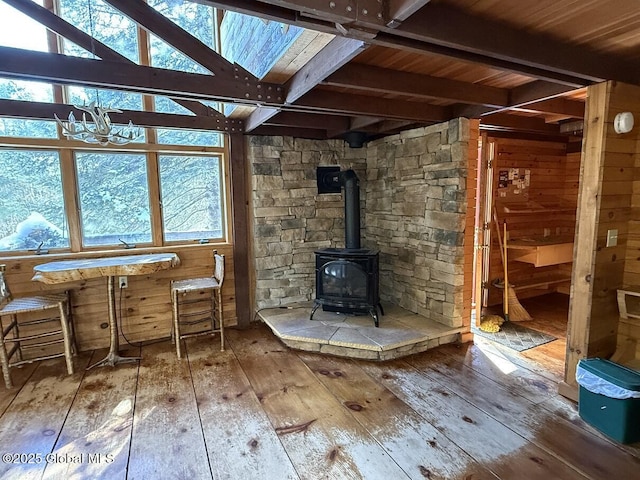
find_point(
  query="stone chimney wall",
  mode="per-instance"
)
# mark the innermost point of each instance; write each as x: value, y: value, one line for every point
x: 413, y: 198
x: 415, y: 215
x: 291, y: 220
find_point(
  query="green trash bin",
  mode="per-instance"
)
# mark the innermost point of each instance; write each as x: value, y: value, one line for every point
x: 609, y: 398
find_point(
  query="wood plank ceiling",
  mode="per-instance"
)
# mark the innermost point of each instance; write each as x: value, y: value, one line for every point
x: 382, y: 66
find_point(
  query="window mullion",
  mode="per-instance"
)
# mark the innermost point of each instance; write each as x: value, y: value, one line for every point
x: 153, y: 177
x: 70, y: 195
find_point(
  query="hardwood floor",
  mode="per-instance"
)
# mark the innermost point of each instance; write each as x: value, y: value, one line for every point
x: 262, y: 411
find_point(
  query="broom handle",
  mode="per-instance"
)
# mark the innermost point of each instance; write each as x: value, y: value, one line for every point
x: 495, y: 219
x: 506, y: 278
x: 503, y: 251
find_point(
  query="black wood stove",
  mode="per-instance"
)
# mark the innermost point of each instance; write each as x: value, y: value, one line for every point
x: 346, y: 278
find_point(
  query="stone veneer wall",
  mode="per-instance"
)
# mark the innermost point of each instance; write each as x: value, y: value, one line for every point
x: 413, y: 194
x: 290, y: 219
x: 416, y: 203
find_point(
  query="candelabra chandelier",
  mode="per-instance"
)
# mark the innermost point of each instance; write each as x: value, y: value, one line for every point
x: 99, y: 130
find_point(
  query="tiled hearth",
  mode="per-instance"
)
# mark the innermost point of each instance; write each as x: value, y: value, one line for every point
x: 401, y: 332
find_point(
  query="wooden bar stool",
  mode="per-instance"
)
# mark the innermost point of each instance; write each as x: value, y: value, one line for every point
x: 208, y: 289
x: 18, y: 335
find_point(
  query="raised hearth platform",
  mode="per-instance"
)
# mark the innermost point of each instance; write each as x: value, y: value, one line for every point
x: 401, y: 332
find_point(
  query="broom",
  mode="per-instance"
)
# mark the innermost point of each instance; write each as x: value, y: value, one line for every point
x: 513, y: 310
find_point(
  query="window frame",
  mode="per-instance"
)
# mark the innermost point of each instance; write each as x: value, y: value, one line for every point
x: 224, y: 197
x: 66, y: 150
x: 150, y: 147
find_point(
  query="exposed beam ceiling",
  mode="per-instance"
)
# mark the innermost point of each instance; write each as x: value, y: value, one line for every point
x: 49, y: 67
x: 77, y: 36
x: 337, y: 91
x: 334, y: 55
x: 449, y: 27
x: 349, y: 104
x: 46, y: 111
x: 446, y: 30
x: 276, y: 130
x: 502, y: 121
x: 156, y: 23
x: 562, y: 107
x: 384, y: 80
x: 309, y: 120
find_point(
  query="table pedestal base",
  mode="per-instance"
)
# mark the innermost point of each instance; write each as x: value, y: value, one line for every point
x: 112, y: 359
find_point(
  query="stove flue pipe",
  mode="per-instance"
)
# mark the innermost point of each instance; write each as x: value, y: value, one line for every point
x: 349, y: 180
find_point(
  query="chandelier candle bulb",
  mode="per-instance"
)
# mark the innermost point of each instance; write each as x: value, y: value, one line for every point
x: 100, y: 130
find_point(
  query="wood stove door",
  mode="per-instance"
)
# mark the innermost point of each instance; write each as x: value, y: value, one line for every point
x: 344, y: 282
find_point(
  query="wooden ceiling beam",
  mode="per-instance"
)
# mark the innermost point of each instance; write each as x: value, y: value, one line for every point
x: 310, y: 120
x: 557, y: 106
x: 391, y: 126
x: 536, y: 91
x: 399, y: 10
x: 348, y: 104
x: 362, y: 123
x: 153, y: 21
x: 451, y: 27
x: 46, y: 111
x: 61, y: 27
x: 383, y: 80
x: 337, y: 53
x: 530, y: 93
x: 506, y: 122
x: 273, y: 130
x: 334, y: 55
x: 48, y: 67
x: 339, y: 11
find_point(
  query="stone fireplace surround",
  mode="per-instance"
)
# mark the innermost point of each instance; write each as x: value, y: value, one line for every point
x: 413, y: 204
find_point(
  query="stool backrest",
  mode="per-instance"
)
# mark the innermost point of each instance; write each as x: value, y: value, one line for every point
x: 5, y: 294
x: 218, y: 267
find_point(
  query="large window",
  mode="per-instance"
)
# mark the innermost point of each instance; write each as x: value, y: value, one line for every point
x: 32, y: 213
x: 61, y: 195
x: 193, y: 185
x: 103, y: 22
x: 115, y: 194
x: 114, y: 198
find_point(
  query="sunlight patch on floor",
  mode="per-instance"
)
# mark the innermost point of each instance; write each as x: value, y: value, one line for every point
x: 505, y: 365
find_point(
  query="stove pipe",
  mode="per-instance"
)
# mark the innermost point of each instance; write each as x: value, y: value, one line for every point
x: 349, y: 180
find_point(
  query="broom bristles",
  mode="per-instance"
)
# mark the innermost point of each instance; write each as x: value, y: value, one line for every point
x: 517, y: 313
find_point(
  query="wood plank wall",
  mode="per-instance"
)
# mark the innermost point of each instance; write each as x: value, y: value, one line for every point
x: 629, y: 329
x: 607, y: 180
x: 146, y: 303
x: 554, y: 178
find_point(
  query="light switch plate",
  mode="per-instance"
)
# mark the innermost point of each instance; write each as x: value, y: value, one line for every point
x: 612, y: 238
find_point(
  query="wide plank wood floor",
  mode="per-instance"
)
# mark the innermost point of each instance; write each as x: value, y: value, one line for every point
x: 262, y: 411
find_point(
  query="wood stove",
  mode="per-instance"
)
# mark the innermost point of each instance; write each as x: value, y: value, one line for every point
x: 346, y: 278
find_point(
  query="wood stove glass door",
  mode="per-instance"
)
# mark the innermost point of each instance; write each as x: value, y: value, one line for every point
x: 344, y: 280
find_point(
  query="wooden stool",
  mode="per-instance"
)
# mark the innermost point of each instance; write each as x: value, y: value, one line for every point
x: 212, y: 288
x: 13, y: 342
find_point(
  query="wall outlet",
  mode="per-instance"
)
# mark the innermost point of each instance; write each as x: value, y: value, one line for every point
x: 123, y: 282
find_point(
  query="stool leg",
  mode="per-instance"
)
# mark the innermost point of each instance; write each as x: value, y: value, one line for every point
x: 4, y: 360
x: 176, y: 323
x: 72, y: 330
x: 16, y: 333
x: 66, y: 336
x: 220, y: 318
